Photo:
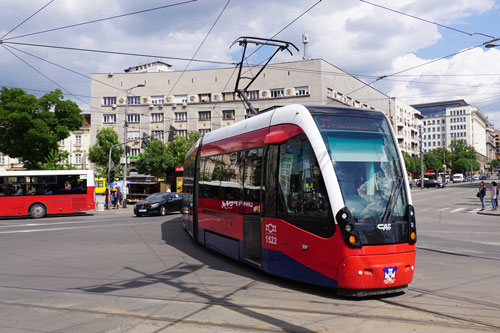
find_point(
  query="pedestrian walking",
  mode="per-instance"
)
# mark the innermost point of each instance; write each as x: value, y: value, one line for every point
x: 119, y: 196
x: 493, y: 192
x: 113, y: 198
x: 481, y: 194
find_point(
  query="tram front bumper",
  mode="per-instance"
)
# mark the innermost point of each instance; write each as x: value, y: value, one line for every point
x: 376, y: 271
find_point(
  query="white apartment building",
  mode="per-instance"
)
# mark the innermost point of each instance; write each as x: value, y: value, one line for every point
x: 77, y: 145
x: 449, y: 120
x: 405, y: 121
x: 204, y: 100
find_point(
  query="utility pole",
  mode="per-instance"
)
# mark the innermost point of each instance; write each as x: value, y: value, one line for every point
x: 125, y: 139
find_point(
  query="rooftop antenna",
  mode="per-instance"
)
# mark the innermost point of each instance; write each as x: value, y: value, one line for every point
x: 305, y: 41
x: 280, y: 45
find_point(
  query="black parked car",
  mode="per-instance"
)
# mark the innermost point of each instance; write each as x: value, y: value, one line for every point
x: 159, y: 203
x: 433, y: 183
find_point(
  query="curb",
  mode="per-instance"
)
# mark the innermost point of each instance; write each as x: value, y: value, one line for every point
x: 490, y: 213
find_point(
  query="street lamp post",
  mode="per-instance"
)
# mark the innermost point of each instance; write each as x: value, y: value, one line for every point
x: 125, y: 139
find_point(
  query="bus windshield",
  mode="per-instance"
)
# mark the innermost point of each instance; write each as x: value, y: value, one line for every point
x: 366, y: 163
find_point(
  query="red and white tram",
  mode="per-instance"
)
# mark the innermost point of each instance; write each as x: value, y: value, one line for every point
x: 311, y: 193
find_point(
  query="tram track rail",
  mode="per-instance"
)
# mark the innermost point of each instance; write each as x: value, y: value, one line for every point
x: 450, y: 321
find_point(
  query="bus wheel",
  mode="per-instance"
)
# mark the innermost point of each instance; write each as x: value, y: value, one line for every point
x: 38, y: 211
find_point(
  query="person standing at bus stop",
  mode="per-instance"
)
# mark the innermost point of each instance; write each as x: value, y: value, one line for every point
x: 493, y: 192
x: 481, y: 194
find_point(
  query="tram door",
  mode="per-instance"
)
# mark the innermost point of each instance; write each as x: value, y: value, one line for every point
x: 252, y: 205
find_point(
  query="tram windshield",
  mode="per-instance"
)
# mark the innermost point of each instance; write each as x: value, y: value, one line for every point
x: 366, y: 162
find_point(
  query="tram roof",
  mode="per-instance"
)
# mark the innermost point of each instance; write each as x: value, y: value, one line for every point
x: 284, y: 115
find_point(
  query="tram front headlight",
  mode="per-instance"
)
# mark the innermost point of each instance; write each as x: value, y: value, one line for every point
x: 348, y: 227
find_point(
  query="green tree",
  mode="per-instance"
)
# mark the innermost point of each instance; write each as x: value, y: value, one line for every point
x: 432, y: 161
x: 409, y: 163
x: 154, y: 161
x: 99, y: 153
x: 494, y: 164
x: 462, y: 165
x: 55, y: 161
x: 31, y: 127
x: 177, y: 149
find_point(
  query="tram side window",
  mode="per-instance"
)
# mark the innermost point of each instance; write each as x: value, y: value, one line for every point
x: 210, y: 176
x: 271, y: 181
x: 303, y: 200
x: 231, y: 176
x: 253, y: 181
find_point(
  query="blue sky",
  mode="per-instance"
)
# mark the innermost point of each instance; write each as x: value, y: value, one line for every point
x: 357, y: 37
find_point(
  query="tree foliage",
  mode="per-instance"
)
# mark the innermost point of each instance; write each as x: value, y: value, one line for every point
x: 31, y: 127
x: 177, y: 149
x: 154, y: 160
x: 99, y: 153
x: 56, y: 160
x: 158, y: 157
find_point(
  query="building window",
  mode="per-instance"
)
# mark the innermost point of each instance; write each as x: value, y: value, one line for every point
x: 157, y: 135
x: 301, y: 91
x: 78, y: 140
x: 78, y: 158
x: 134, y: 100
x: 329, y: 92
x: 253, y: 94
x: 183, y: 133
x: 61, y: 143
x: 133, y: 118
x: 181, y: 116
x: 157, y: 100
x: 131, y: 136
x: 2, y: 159
x: 204, y: 115
x: 277, y: 93
x: 180, y: 99
x: 109, y: 100
x: 156, y: 117
x: 109, y: 118
x: 204, y: 131
x: 228, y: 96
x: 204, y: 98
x: 134, y: 152
x: 227, y: 114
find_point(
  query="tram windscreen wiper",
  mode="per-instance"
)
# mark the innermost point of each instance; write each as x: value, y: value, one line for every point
x: 396, y: 190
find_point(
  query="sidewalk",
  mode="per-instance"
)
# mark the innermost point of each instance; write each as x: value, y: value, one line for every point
x: 490, y: 212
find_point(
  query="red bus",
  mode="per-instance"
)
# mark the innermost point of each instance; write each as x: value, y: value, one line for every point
x: 40, y: 192
x: 315, y: 194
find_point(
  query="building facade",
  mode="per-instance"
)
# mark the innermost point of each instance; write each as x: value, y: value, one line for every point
x: 456, y: 120
x: 152, y: 103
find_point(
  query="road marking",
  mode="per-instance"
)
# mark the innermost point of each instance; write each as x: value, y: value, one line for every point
x: 55, y: 223
x: 445, y: 208
x: 74, y: 228
x: 457, y: 210
x: 475, y: 210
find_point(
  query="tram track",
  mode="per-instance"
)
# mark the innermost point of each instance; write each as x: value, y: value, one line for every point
x: 451, y: 321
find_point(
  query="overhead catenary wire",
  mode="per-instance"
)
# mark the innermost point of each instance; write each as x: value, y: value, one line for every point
x: 199, y: 47
x: 102, y: 19
x: 25, y: 20
x: 42, y: 74
x: 427, y: 21
x: 119, y: 53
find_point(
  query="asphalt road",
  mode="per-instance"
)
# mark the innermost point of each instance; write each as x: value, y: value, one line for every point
x: 113, y: 272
